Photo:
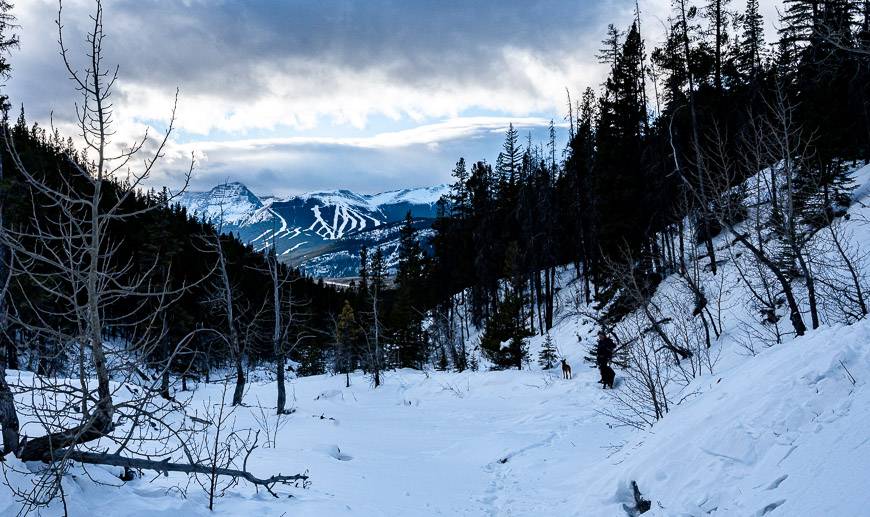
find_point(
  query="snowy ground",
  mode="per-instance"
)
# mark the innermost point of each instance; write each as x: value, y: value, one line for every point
x: 783, y: 433
x: 419, y: 445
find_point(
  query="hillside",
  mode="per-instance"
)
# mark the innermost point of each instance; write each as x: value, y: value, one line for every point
x: 743, y: 437
x: 649, y: 296
x: 526, y: 443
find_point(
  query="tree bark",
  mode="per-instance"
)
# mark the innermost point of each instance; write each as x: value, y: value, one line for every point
x: 8, y: 415
x: 164, y: 344
x: 95, y: 427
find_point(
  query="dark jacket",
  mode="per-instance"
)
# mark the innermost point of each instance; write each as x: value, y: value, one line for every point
x: 604, y: 353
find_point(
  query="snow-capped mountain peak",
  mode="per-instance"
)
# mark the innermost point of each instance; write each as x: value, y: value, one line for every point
x: 229, y: 203
x: 314, y: 225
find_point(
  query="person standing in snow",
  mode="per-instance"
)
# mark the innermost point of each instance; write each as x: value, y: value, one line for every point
x: 604, y: 354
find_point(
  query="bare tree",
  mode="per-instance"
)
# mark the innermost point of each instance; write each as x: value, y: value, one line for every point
x: 720, y: 178
x: 227, y: 302
x: 71, y: 258
x: 643, y: 397
x: 285, y: 315
x: 8, y: 417
x: 66, y: 265
x: 842, y: 273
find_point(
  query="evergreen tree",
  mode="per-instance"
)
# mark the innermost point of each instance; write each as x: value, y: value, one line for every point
x: 508, y: 163
x: 610, y: 45
x: 751, y: 43
x: 363, y: 288
x: 377, y: 286
x: 618, y: 186
x: 717, y: 14
x: 8, y: 41
x: 505, y: 332
x: 346, y: 338
x: 407, y: 310
x: 459, y: 195
x: 548, y: 355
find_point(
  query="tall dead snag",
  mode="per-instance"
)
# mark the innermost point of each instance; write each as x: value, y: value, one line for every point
x: 278, y: 327
x: 74, y: 289
x: 68, y: 256
x: 242, y: 321
x: 702, y: 187
x: 228, y: 304
x: 8, y: 416
x: 285, y: 319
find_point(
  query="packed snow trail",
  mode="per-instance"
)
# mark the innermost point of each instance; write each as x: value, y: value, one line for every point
x: 437, y: 444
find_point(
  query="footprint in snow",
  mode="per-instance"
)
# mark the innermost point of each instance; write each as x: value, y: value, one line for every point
x: 778, y: 481
x: 335, y: 452
x: 771, y: 507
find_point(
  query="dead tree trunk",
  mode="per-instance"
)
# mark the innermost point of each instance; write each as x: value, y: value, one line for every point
x: 696, y: 144
x: 8, y: 414
x: 229, y: 312
x: 797, y: 321
x: 166, y: 466
x: 164, y: 345
x: 278, y: 328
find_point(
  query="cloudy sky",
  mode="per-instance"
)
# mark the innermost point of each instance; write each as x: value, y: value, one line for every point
x: 297, y: 95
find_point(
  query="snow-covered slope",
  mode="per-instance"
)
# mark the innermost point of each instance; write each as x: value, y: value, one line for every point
x: 778, y: 430
x: 783, y: 433
x: 231, y: 204
x: 312, y: 226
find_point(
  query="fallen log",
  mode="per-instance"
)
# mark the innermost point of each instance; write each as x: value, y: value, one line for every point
x: 165, y: 467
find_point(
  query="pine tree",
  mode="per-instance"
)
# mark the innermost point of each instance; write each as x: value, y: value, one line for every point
x: 576, y: 191
x: 346, y: 336
x: 548, y: 354
x: 717, y: 14
x: 8, y: 41
x: 459, y: 195
x: 751, y: 43
x: 407, y: 309
x: 363, y: 271
x: 508, y: 163
x: 618, y: 186
x: 8, y: 417
x: 377, y: 277
x: 508, y: 323
x: 610, y: 45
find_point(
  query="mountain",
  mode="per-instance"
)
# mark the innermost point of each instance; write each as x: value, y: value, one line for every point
x: 321, y: 232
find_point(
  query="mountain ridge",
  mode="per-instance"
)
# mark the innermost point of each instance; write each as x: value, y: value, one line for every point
x: 319, y: 231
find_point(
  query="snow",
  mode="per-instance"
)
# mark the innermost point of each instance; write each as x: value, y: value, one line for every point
x: 317, y: 217
x: 417, y: 196
x: 231, y: 203
x: 773, y: 430
x: 785, y: 431
x: 374, y: 202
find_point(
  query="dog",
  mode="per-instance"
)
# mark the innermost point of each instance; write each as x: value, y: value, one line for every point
x: 607, y: 376
x: 566, y: 370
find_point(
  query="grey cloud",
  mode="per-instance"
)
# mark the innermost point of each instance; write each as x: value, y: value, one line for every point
x: 293, y: 168
x: 213, y: 45
x: 230, y: 49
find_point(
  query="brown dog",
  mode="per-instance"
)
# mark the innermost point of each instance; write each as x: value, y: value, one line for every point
x: 566, y: 370
x: 607, y: 376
